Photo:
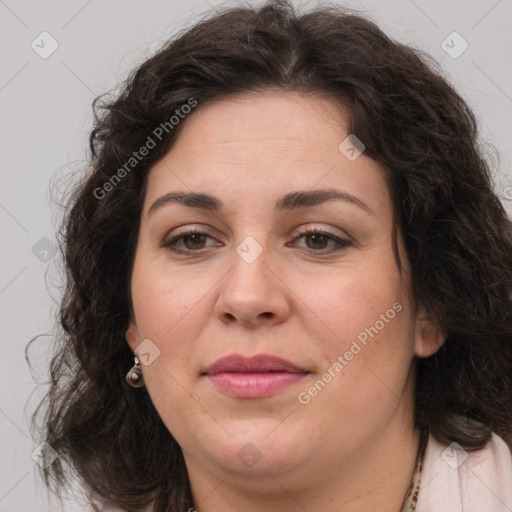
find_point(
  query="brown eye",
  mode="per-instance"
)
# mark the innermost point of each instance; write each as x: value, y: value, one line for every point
x: 190, y: 241
x: 319, y: 240
x: 195, y: 241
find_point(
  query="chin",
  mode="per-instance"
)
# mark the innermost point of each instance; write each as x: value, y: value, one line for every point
x: 260, y: 450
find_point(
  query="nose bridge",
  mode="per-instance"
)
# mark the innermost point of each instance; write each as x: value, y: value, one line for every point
x: 249, y: 278
x: 251, y: 292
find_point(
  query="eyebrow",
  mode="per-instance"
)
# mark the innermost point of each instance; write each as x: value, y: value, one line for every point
x: 290, y: 201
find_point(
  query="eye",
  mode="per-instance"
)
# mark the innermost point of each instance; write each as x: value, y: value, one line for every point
x: 319, y: 238
x: 193, y: 241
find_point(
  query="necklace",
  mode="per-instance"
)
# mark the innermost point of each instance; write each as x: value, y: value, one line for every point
x: 411, y: 497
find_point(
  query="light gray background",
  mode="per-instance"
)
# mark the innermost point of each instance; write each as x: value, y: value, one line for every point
x: 46, y: 116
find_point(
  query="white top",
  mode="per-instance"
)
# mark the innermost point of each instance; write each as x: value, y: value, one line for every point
x: 453, y: 480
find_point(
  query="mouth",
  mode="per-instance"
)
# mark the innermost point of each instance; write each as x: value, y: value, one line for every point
x: 253, y: 377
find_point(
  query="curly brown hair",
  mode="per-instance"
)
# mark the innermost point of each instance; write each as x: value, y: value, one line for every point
x: 456, y: 232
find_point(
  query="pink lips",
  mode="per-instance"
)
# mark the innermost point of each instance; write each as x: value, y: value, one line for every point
x: 254, y: 377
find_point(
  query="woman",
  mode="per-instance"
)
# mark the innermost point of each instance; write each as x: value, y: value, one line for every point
x: 291, y: 234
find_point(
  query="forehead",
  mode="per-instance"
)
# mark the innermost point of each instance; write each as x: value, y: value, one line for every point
x: 280, y: 117
x: 254, y: 147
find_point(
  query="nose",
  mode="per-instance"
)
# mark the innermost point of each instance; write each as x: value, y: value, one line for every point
x: 253, y: 293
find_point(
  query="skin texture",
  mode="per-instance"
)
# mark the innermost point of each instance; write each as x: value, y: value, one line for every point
x: 352, y: 447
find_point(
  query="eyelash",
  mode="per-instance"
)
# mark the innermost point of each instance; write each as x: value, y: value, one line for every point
x: 342, y: 244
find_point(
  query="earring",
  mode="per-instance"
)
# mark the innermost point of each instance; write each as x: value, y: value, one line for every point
x: 134, y: 377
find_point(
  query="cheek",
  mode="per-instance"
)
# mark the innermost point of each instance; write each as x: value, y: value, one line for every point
x: 166, y: 302
x: 169, y: 312
x: 355, y: 301
x: 369, y: 347
x: 367, y: 359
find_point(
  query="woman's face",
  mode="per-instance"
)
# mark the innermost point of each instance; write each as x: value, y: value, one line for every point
x: 331, y: 303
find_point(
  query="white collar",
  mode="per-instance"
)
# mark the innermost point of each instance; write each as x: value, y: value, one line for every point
x: 459, y: 481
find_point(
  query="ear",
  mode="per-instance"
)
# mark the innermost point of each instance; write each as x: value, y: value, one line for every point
x: 132, y: 335
x: 428, y: 336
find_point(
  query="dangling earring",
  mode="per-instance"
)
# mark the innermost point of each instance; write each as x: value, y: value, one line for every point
x: 134, y: 377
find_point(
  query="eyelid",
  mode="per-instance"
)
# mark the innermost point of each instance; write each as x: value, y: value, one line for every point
x: 191, y: 227
x: 203, y: 229
x: 320, y: 228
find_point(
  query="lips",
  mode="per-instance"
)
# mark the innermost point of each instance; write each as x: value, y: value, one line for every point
x: 261, y: 363
x: 259, y: 376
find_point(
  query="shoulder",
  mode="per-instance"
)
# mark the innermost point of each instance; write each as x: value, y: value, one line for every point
x: 454, y: 480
